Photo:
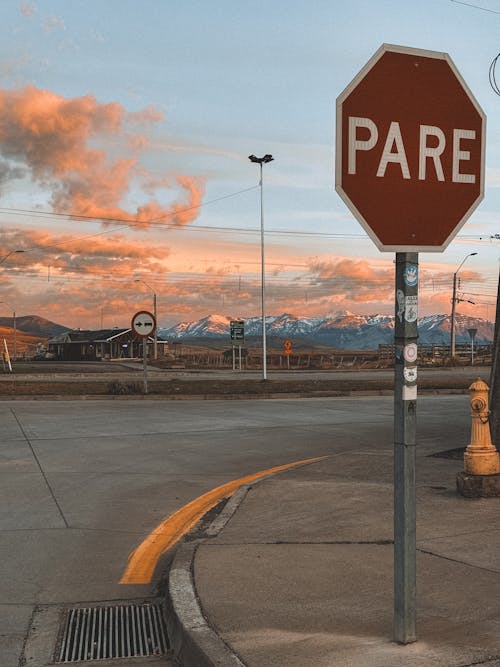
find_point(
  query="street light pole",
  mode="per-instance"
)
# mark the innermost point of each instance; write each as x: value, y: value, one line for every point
x: 260, y: 161
x: 12, y: 252
x: 453, y: 304
x: 155, y: 333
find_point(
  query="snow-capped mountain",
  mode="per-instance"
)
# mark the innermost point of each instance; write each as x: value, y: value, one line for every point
x: 342, y: 330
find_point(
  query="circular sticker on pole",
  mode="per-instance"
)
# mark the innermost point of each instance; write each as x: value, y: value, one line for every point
x: 410, y: 374
x: 143, y: 323
x: 410, y: 352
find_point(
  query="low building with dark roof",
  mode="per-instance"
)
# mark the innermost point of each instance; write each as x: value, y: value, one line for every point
x: 103, y: 344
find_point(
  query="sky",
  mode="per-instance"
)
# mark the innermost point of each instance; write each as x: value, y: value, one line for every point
x: 125, y: 131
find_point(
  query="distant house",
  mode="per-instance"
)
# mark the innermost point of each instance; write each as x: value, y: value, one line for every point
x: 86, y: 345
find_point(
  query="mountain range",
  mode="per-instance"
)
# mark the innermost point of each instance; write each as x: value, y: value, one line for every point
x: 342, y: 330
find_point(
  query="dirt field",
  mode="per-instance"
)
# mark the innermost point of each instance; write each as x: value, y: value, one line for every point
x: 45, y: 379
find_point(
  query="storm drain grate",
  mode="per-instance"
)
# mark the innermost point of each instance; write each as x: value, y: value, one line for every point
x: 125, y: 631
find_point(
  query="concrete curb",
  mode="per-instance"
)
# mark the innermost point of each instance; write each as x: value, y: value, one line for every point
x: 194, y: 642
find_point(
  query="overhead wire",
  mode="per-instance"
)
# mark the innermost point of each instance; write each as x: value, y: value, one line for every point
x: 314, y: 284
x: 469, y: 4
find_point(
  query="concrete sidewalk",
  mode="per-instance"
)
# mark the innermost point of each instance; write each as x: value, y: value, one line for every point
x: 301, y: 573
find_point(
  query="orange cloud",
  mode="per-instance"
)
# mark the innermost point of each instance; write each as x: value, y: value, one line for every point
x: 356, y: 280
x: 103, y: 257
x: 54, y: 137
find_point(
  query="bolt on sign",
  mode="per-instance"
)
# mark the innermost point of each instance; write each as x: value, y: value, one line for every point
x: 410, y: 149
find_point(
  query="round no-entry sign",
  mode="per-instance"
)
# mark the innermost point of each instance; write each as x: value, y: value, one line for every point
x: 143, y: 323
x: 410, y: 149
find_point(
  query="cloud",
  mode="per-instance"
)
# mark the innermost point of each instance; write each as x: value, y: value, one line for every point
x: 357, y: 280
x: 27, y: 9
x: 53, y: 23
x: 54, y: 138
x: 101, y: 257
x: 10, y: 68
x: 147, y: 115
x: 10, y: 172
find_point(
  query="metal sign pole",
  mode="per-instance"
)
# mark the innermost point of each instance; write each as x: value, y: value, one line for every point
x: 405, y: 414
x: 239, y: 357
x: 143, y: 325
x: 145, y: 363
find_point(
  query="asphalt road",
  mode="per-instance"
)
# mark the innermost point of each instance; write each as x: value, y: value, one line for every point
x: 83, y: 482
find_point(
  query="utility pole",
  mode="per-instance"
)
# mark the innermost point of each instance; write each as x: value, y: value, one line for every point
x: 454, y: 301
x: 495, y: 377
x: 452, y: 325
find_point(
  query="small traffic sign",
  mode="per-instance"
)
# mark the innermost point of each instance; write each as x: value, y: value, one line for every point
x: 143, y: 323
x: 237, y: 328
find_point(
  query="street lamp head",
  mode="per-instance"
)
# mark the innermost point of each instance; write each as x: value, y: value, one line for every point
x: 471, y: 254
x: 12, y: 252
x: 261, y: 160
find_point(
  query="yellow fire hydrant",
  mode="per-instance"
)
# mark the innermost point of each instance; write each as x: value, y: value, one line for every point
x: 481, y: 456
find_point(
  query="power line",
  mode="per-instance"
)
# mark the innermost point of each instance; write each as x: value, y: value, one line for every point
x: 468, y: 4
x: 93, y: 218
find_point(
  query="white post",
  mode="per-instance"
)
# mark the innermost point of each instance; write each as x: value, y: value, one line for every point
x: 15, y: 337
x: 145, y: 362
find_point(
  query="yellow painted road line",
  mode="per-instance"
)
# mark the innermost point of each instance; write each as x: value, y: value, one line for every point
x: 143, y: 560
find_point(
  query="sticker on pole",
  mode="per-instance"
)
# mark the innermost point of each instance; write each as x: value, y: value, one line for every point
x: 143, y: 323
x: 411, y: 308
x: 410, y: 352
x: 410, y: 374
x: 410, y: 275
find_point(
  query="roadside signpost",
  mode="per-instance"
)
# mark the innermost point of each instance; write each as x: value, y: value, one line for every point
x: 6, y: 356
x: 472, y: 334
x: 237, y: 329
x: 144, y: 325
x: 288, y: 351
x: 410, y: 167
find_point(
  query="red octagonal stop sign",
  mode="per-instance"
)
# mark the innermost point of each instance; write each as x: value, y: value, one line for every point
x: 410, y: 149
